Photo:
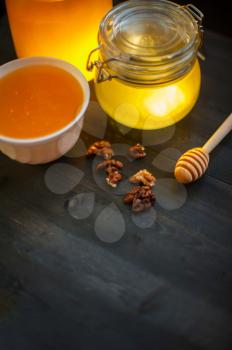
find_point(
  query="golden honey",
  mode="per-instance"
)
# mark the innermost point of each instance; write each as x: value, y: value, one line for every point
x: 153, y: 107
x: 37, y: 101
x: 65, y: 29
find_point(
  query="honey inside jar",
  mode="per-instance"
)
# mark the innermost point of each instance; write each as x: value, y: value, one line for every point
x: 147, y: 75
x: 144, y: 107
x: 38, y: 100
x: 64, y: 29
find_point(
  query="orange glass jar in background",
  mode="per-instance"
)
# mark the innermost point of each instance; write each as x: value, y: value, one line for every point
x: 65, y: 29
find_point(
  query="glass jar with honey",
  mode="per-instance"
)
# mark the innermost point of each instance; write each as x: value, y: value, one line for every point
x: 147, y: 70
x: 64, y: 29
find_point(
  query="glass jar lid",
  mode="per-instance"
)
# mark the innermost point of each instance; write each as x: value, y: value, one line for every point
x: 149, y: 41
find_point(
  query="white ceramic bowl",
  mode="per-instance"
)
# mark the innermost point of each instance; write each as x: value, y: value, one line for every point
x: 53, y: 146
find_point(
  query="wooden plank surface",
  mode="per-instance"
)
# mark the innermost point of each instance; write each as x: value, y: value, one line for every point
x: 163, y: 287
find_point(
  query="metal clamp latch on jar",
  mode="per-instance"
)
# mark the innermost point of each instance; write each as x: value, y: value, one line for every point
x: 102, y: 73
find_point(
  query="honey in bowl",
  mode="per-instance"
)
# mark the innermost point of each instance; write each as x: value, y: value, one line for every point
x: 37, y: 101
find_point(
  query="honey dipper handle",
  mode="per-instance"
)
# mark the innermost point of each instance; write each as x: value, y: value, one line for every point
x: 219, y: 135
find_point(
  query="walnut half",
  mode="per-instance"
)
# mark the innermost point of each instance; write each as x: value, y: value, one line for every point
x: 137, y: 151
x: 113, y: 169
x: 140, y: 198
x: 144, y: 177
x: 101, y: 148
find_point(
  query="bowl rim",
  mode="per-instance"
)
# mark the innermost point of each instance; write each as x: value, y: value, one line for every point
x: 45, y: 60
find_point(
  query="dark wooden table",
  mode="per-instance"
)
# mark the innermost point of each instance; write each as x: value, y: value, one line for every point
x: 167, y: 286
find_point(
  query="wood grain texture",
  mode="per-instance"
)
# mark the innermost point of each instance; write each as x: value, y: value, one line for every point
x: 165, y: 287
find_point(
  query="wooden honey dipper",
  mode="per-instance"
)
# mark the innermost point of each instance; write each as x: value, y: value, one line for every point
x: 194, y: 163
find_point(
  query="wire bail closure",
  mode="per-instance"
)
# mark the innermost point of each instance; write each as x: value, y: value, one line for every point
x: 103, y: 73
